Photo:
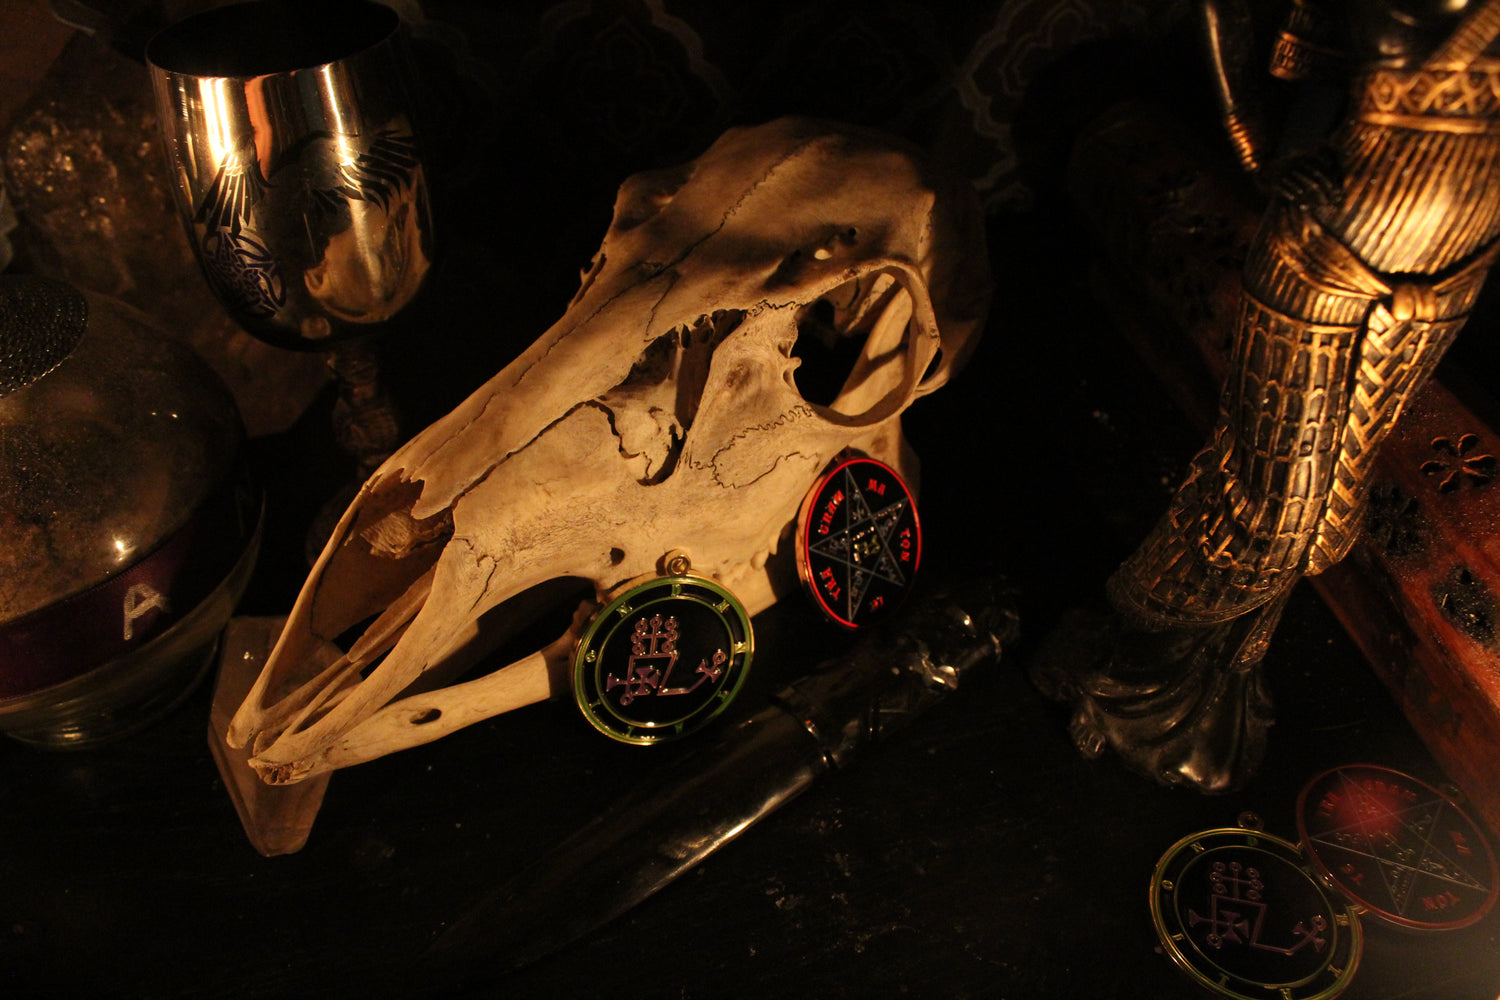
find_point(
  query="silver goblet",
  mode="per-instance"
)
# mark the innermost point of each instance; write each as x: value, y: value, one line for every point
x: 290, y: 134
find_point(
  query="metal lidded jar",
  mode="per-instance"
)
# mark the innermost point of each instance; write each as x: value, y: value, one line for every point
x: 128, y: 522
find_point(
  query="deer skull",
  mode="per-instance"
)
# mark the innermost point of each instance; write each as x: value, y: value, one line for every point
x: 660, y: 415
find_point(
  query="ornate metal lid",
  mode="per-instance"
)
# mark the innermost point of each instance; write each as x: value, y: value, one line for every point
x: 1239, y: 911
x: 1403, y: 851
x: 662, y: 658
x: 858, y: 541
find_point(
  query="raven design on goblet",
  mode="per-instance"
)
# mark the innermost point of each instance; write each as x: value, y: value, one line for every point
x: 363, y: 211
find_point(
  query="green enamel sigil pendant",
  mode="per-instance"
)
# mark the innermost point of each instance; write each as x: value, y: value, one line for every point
x: 662, y: 659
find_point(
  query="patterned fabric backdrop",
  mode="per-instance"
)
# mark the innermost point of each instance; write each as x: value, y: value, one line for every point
x: 605, y: 87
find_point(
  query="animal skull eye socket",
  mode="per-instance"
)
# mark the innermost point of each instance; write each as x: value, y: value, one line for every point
x: 853, y: 345
x: 827, y: 355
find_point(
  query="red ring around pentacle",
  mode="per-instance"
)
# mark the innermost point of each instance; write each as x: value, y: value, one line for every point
x: 662, y: 659
x: 1403, y: 851
x: 858, y: 542
x: 1238, y: 911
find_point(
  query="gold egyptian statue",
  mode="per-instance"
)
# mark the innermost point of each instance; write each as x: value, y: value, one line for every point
x: 1368, y: 260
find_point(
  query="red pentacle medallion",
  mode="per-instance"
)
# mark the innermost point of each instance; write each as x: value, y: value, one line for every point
x: 662, y: 659
x: 1405, y: 852
x: 858, y: 542
x: 1240, y: 913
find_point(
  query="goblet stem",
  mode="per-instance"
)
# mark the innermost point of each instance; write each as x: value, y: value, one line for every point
x: 366, y: 422
x: 366, y: 425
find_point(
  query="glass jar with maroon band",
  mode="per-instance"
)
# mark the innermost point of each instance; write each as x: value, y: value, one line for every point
x: 128, y: 522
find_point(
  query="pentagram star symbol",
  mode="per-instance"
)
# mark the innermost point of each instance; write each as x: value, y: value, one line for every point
x: 865, y: 547
x: 1415, y: 847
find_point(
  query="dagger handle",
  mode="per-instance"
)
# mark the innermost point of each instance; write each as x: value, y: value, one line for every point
x: 895, y: 675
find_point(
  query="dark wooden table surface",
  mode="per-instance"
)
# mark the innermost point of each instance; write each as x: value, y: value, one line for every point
x: 974, y: 854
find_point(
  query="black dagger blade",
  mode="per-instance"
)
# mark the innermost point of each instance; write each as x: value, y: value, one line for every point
x: 662, y: 829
